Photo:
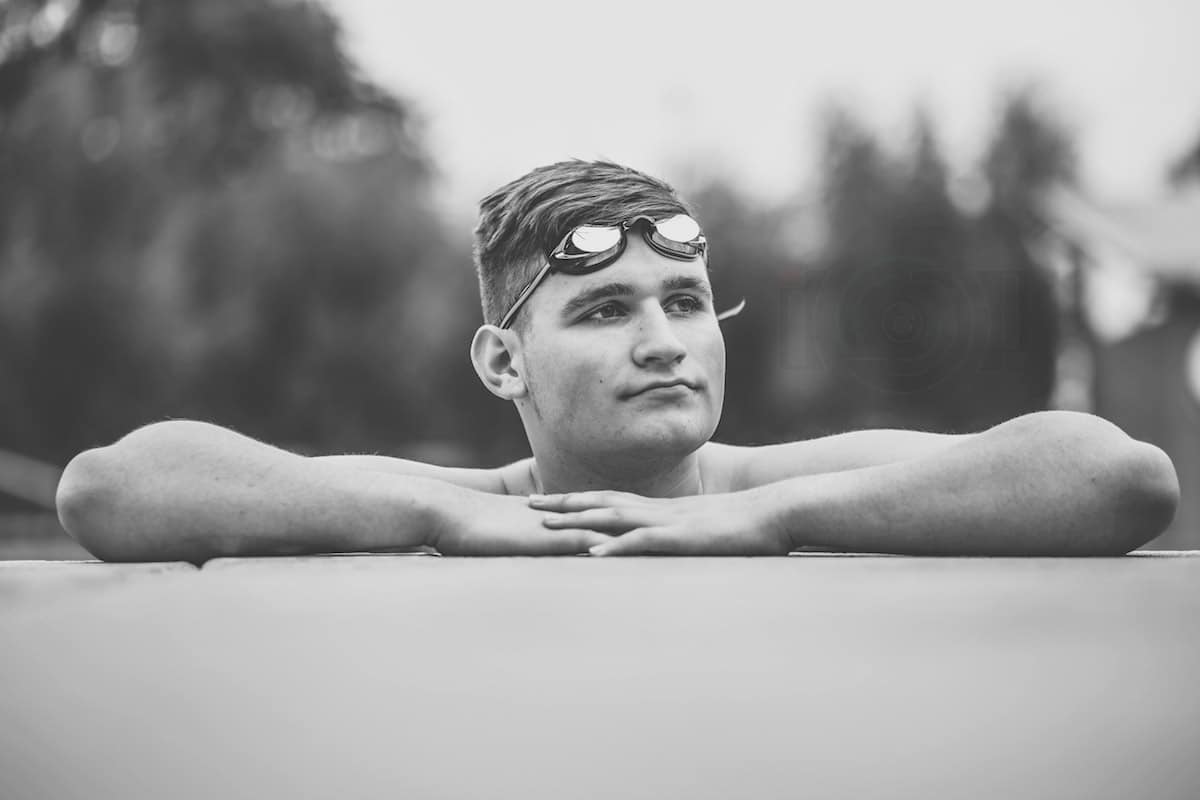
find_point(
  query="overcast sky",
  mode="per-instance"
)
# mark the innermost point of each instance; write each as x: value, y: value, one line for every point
x: 737, y: 86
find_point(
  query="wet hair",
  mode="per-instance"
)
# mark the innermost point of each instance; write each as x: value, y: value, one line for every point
x: 522, y: 221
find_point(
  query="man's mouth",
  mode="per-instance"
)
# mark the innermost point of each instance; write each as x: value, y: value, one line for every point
x: 665, y: 387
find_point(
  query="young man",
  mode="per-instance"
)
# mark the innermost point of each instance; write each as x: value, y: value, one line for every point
x: 601, y: 329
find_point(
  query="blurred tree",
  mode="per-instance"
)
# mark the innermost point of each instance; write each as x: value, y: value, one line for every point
x: 895, y: 275
x: 206, y: 211
x: 1030, y: 154
x: 747, y: 262
x: 926, y: 315
x: 925, y: 323
x: 858, y: 186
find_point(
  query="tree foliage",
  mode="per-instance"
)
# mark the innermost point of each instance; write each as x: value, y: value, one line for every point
x: 208, y: 212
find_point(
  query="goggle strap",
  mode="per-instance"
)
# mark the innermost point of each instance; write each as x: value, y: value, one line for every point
x: 524, y: 295
x: 732, y: 312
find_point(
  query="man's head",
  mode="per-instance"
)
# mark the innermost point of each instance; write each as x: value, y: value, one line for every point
x: 522, y: 221
x: 585, y: 350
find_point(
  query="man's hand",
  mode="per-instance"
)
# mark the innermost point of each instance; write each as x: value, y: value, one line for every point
x: 477, y: 524
x: 710, y: 525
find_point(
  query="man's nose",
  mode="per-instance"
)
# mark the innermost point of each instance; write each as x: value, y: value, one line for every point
x: 657, y: 342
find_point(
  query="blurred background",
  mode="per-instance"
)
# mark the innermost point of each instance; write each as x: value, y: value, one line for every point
x: 258, y: 213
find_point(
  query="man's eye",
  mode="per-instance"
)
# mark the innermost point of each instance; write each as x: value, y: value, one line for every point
x: 606, y: 311
x: 686, y: 304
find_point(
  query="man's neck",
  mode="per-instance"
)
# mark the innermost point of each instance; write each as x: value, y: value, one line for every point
x: 662, y: 478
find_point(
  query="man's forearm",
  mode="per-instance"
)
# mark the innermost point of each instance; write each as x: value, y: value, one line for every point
x: 191, y: 491
x: 1046, y: 484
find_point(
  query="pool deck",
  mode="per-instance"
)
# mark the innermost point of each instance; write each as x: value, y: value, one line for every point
x: 813, y: 676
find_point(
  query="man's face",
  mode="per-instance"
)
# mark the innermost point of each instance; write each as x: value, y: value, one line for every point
x: 627, y: 361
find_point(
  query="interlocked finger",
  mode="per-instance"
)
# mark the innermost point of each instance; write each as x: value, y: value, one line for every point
x: 581, y: 501
x: 556, y: 542
x: 609, y: 520
x: 643, y: 541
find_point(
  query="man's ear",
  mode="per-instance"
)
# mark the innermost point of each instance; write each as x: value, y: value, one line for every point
x: 495, y: 352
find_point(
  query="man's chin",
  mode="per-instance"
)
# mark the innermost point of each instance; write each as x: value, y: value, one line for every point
x: 660, y: 442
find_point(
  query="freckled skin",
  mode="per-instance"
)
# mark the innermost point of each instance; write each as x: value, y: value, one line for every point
x: 581, y: 371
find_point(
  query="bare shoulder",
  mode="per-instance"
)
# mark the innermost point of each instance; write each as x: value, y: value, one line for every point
x: 721, y: 466
x: 750, y: 466
x: 508, y: 479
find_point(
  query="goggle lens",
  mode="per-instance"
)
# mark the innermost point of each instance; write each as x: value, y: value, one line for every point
x: 593, y: 239
x: 680, y: 228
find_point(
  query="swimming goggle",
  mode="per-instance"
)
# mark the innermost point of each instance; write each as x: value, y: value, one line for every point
x: 589, y: 248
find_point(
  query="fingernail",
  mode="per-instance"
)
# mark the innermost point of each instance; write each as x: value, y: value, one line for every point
x: 596, y: 550
x: 533, y: 498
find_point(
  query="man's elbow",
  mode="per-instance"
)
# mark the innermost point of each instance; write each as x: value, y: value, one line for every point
x: 103, y: 497
x: 1150, y: 493
x: 87, y: 500
x: 80, y: 498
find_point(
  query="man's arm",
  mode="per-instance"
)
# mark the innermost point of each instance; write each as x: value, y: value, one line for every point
x: 756, y: 466
x: 1050, y: 483
x: 191, y: 491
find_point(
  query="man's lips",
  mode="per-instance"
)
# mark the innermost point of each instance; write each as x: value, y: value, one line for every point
x: 678, y: 383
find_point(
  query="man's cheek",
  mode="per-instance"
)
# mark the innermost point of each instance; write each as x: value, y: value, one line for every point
x: 715, y: 360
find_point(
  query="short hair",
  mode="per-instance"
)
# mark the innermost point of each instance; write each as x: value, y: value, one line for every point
x: 522, y: 221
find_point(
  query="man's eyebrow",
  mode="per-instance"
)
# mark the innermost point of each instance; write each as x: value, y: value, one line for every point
x: 584, y: 299
x: 679, y: 282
